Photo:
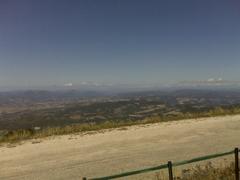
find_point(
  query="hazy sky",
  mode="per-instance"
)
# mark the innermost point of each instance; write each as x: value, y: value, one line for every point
x: 53, y: 42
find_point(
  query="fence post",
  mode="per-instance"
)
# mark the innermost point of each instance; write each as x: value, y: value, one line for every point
x: 236, y: 164
x: 84, y: 178
x: 170, y: 172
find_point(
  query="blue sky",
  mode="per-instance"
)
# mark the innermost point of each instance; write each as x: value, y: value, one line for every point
x: 46, y: 43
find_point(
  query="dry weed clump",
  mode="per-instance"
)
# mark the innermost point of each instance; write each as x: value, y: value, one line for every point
x: 207, y: 172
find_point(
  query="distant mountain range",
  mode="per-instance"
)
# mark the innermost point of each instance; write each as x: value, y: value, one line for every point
x: 40, y: 95
x: 68, y: 95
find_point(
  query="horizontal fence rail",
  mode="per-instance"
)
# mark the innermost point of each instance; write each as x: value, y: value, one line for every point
x: 170, y: 165
x: 203, y: 158
x: 164, y: 166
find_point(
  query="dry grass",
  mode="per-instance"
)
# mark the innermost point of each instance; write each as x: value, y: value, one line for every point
x: 19, y: 135
x: 208, y: 172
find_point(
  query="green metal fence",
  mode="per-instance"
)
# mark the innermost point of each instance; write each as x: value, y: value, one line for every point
x: 170, y: 166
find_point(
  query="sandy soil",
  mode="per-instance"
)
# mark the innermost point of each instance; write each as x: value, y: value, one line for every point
x: 74, y: 156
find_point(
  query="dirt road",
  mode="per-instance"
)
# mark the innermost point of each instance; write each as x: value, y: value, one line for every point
x: 71, y: 157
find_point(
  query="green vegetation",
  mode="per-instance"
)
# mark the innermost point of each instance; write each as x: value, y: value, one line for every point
x: 23, y: 134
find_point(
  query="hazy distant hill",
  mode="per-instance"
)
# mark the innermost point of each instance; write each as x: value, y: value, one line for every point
x: 40, y: 96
